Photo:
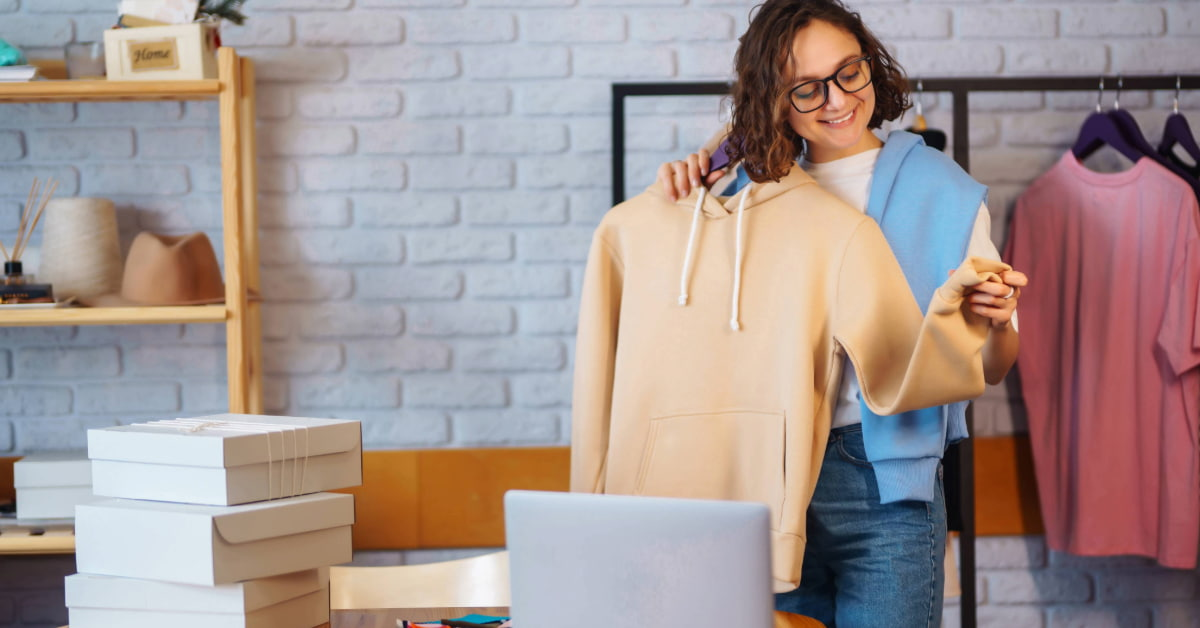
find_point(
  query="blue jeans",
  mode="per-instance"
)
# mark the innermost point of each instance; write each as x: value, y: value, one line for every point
x: 868, y: 564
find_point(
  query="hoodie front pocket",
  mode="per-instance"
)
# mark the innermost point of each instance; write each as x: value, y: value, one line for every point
x: 723, y: 454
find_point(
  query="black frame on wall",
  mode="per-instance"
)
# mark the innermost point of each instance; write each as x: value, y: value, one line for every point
x: 959, y: 460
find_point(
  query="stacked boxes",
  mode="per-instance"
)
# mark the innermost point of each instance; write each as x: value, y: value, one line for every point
x: 214, y: 521
x: 50, y: 485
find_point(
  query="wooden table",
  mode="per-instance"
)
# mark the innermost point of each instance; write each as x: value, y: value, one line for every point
x: 386, y: 617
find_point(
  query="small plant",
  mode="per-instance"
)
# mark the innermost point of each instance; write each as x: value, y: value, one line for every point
x: 223, y: 10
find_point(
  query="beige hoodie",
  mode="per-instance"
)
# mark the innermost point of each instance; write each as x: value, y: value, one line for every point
x: 706, y: 369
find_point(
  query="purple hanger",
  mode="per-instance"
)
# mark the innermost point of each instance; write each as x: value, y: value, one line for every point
x: 1177, y: 132
x: 1099, y: 129
x: 1129, y: 128
x: 720, y: 157
x: 1128, y: 125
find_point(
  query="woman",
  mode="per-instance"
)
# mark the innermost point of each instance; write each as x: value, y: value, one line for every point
x: 877, y: 520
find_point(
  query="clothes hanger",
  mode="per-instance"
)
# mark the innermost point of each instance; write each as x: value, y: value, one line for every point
x: 1128, y: 127
x: 720, y: 157
x: 1100, y: 129
x: 1128, y: 124
x: 1177, y: 132
x: 933, y: 137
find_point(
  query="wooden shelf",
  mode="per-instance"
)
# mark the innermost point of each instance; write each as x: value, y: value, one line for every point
x: 114, y: 315
x: 43, y: 544
x: 55, y: 536
x: 101, y: 90
x: 234, y: 92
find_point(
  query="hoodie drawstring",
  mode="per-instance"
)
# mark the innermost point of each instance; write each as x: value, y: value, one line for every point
x: 685, y: 274
x: 737, y: 264
x: 689, y: 257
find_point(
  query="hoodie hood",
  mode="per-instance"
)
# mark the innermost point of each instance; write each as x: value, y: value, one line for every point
x: 715, y: 208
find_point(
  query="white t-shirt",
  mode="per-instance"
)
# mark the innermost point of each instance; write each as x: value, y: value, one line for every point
x: 849, y: 179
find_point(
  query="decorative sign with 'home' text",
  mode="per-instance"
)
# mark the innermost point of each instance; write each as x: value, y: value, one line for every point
x: 154, y: 54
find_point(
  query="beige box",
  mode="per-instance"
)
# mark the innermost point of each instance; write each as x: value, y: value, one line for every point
x: 156, y: 53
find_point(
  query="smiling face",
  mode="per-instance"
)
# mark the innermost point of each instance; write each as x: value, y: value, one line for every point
x: 839, y: 128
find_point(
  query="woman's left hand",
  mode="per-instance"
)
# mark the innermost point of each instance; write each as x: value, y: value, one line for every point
x: 997, y: 301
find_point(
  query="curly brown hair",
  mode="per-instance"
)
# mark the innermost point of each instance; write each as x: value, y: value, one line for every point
x: 765, y: 142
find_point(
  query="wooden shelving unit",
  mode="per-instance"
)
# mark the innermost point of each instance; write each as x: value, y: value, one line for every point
x: 109, y: 91
x: 34, y: 540
x: 234, y: 91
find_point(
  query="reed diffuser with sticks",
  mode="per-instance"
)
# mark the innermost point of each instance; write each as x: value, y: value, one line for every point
x: 15, y: 287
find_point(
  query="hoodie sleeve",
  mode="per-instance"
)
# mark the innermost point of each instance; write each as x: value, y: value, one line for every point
x: 904, y: 361
x: 595, y: 361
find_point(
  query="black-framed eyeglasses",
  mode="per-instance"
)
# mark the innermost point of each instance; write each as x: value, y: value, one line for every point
x: 812, y: 95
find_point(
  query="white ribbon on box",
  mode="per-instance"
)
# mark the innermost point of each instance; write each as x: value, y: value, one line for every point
x: 250, y: 427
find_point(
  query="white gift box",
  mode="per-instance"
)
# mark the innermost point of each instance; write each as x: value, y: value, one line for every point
x: 225, y: 459
x: 169, y: 11
x: 193, y: 544
x: 296, y: 599
x: 50, y: 485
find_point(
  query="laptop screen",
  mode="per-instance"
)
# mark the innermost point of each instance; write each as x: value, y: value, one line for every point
x: 600, y: 561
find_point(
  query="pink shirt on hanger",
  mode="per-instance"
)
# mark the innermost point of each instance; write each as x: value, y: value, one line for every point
x: 1110, y: 342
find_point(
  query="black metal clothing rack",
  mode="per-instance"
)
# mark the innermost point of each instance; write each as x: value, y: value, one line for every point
x: 959, y: 459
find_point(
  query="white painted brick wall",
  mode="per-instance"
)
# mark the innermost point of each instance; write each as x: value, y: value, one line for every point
x: 455, y: 28
x: 356, y: 29
x: 430, y: 172
x: 1007, y: 23
x: 457, y: 319
x: 515, y: 208
x: 284, y: 358
x: 12, y: 145
x: 127, y: 398
x: 508, y: 427
x: 263, y: 30
x: 1128, y: 21
x: 458, y: 101
x: 328, y: 393
x: 343, y: 103
x: 304, y: 211
x: 298, y: 140
x: 404, y: 138
x: 410, y: 355
x: 457, y: 173
x: 456, y: 392
x: 515, y: 354
x: 573, y: 27
x: 80, y: 143
x: 909, y: 22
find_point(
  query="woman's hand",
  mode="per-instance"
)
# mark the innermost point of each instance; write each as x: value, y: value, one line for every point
x: 679, y: 177
x: 997, y: 301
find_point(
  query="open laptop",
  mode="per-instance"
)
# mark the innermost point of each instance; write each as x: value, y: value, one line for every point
x: 599, y: 561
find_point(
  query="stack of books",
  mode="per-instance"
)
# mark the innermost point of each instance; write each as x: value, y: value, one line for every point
x: 17, y: 73
x: 214, y: 522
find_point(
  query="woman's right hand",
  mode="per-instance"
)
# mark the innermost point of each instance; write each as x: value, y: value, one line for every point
x: 679, y: 177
